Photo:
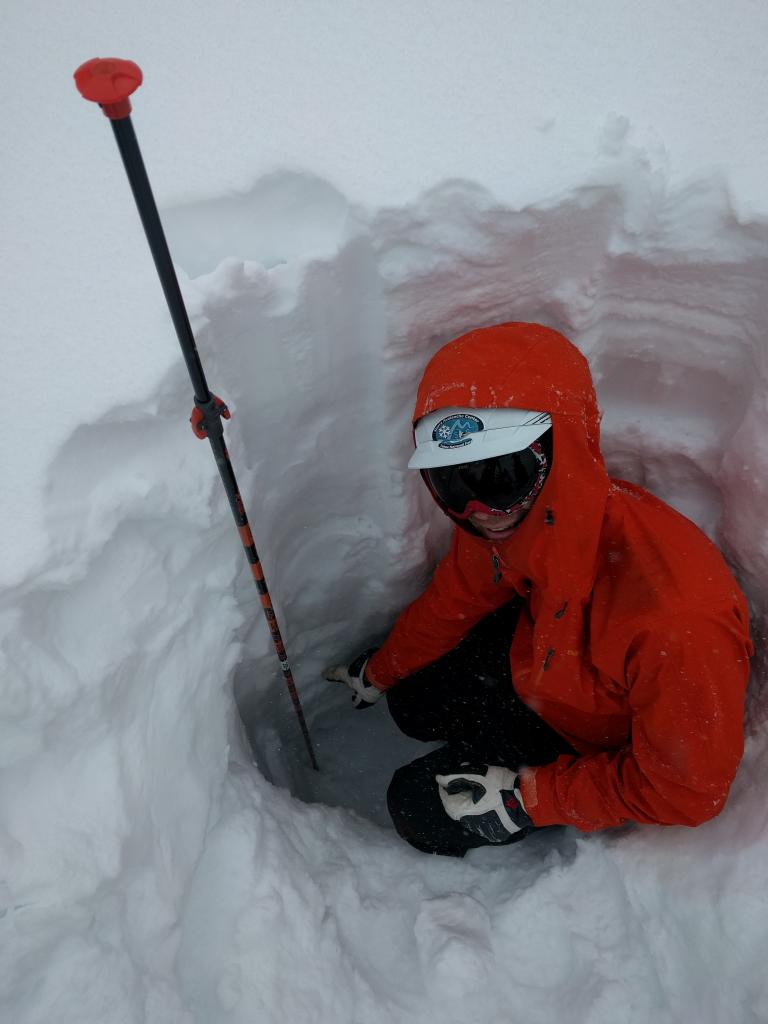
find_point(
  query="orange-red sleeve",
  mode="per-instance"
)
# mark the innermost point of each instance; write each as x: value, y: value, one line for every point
x: 464, y: 589
x: 686, y: 682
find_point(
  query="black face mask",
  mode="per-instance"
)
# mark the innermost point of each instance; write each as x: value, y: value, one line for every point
x: 499, y: 484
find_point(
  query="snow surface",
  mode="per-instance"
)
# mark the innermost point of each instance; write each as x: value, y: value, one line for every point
x: 345, y: 187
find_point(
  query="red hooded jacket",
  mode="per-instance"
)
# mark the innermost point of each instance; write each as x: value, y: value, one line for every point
x: 633, y: 642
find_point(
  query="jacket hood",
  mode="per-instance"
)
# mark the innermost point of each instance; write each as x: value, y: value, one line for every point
x: 528, y: 366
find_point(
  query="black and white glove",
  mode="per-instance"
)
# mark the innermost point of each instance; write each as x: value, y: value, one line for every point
x: 364, y: 694
x: 485, y: 800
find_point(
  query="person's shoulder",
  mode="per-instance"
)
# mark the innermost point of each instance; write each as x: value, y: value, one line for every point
x: 655, y: 561
x: 643, y: 524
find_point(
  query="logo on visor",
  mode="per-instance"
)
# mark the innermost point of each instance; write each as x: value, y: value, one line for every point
x: 452, y: 431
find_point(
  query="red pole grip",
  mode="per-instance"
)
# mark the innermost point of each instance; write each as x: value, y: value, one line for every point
x: 109, y: 82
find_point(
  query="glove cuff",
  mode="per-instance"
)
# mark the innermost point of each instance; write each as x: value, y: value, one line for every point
x: 357, y: 667
x: 370, y: 677
x: 514, y: 806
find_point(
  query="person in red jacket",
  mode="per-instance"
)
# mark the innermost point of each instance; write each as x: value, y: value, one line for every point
x: 582, y: 648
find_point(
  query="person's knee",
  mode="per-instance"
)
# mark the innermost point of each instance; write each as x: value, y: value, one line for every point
x: 414, y: 816
x: 400, y: 791
x: 403, y: 800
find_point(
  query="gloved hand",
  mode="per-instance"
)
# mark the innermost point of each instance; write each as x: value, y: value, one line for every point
x: 485, y: 800
x: 364, y: 695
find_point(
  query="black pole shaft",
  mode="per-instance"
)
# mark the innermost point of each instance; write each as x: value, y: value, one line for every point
x: 145, y: 201
x: 128, y: 145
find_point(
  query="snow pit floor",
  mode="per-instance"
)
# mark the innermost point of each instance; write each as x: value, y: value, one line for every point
x: 152, y: 872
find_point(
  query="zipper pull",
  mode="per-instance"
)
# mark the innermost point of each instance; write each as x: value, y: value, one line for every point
x: 496, y: 567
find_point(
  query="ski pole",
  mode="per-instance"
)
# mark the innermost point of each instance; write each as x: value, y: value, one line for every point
x: 109, y: 82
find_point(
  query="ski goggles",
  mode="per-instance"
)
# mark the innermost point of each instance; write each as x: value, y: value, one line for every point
x: 500, y: 485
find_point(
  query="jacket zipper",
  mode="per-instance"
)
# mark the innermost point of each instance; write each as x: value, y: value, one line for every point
x: 496, y: 567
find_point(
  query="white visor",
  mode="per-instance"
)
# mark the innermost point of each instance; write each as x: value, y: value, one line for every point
x: 448, y: 437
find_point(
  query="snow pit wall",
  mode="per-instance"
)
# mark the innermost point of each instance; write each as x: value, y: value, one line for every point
x: 321, y: 352
x: 315, y: 323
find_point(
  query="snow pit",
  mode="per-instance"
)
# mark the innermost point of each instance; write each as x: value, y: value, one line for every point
x: 662, y: 290
x: 185, y: 886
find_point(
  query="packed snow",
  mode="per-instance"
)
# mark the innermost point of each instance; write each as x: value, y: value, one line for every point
x: 345, y: 187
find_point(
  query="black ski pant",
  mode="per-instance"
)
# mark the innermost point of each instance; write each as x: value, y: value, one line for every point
x: 467, y: 699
